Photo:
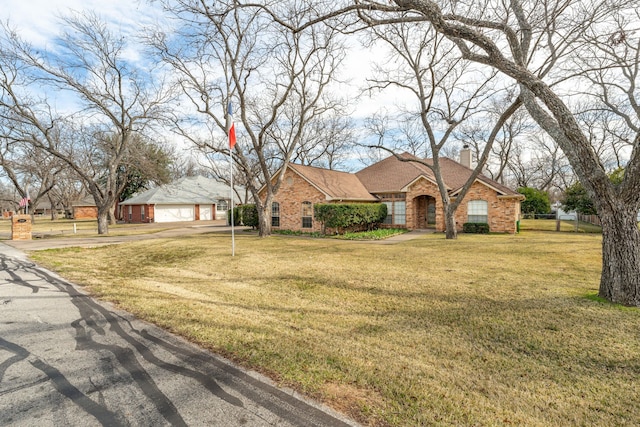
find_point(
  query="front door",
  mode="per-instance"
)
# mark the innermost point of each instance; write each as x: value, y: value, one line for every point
x: 431, y: 212
x: 425, y: 212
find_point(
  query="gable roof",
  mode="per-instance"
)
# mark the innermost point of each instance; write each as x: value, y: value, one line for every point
x: 189, y: 190
x: 334, y: 185
x: 87, y: 200
x: 392, y: 175
x: 456, y: 175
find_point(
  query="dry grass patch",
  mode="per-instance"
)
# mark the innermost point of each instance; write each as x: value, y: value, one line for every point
x: 486, y: 330
x: 44, y: 227
x: 565, y: 226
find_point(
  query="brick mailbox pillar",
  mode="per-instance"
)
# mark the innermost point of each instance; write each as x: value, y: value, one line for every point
x: 21, y: 227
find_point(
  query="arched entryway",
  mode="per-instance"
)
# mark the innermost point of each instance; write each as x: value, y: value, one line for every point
x: 425, y: 212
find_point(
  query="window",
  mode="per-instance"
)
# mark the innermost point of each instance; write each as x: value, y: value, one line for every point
x: 223, y: 205
x: 396, y: 208
x: 141, y: 213
x: 477, y: 211
x: 307, y: 215
x: 275, y: 214
x: 389, y: 218
x: 130, y: 212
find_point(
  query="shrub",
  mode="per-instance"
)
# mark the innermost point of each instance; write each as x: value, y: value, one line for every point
x: 343, y: 216
x: 536, y: 202
x: 244, y: 215
x: 475, y: 227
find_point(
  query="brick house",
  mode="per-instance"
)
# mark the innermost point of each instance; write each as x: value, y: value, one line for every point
x: 188, y: 199
x: 408, y: 189
x: 84, y: 208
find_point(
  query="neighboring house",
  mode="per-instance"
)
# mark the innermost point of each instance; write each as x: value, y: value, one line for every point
x: 409, y: 190
x: 44, y: 208
x: 566, y: 216
x: 84, y: 208
x: 188, y: 199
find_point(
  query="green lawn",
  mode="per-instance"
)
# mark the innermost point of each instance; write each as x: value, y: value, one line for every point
x: 486, y: 330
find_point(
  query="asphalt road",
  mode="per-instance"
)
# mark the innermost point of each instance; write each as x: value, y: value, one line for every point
x: 68, y: 360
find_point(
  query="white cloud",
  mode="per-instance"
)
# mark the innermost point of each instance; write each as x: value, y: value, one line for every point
x: 38, y: 20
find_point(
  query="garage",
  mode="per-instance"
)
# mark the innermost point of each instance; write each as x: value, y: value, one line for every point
x: 189, y: 199
x: 205, y: 213
x: 174, y: 213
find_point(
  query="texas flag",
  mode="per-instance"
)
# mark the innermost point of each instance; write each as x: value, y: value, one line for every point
x: 232, y: 128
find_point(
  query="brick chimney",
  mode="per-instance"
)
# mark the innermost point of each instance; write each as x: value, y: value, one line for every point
x: 465, y: 156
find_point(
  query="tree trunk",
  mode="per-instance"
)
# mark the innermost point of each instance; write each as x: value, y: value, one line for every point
x: 620, y: 280
x: 451, y: 231
x: 112, y: 216
x: 103, y: 220
x: 264, y: 219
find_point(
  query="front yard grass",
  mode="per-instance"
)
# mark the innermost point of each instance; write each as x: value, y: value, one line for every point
x: 44, y: 227
x: 550, y: 225
x: 486, y: 330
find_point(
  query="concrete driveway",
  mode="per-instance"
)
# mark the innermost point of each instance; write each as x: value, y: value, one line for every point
x: 67, y: 360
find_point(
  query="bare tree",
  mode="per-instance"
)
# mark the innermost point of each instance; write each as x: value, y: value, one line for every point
x: 114, y: 97
x: 67, y: 190
x: 276, y: 80
x: 540, y: 45
x: 327, y: 142
x: 421, y: 64
x: 508, y: 142
x: 32, y: 171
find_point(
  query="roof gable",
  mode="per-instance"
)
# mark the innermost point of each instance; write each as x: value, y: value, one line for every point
x: 393, y: 175
x: 335, y: 185
x: 455, y: 176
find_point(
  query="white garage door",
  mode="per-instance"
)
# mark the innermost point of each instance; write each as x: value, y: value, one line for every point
x: 173, y: 213
x: 205, y: 213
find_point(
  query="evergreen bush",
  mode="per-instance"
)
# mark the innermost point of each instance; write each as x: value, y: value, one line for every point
x: 244, y: 215
x: 350, y: 216
x: 475, y: 227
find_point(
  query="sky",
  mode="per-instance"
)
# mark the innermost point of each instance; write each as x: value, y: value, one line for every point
x: 37, y: 20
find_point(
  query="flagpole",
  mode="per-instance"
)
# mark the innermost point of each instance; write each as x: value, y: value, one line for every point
x: 233, y: 233
x: 232, y: 142
x: 26, y: 204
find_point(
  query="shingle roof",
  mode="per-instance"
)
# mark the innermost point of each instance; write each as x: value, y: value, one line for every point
x: 456, y: 175
x: 85, y: 201
x: 392, y: 175
x: 188, y: 190
x: 334, y: 184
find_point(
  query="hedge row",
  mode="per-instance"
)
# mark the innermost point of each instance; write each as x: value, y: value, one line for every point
x: 350, y: 215
x: 341, y: 217
x: 475, y: 227
x: 244, y: 215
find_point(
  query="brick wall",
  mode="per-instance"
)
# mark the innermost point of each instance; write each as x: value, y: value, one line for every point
x: 416, y: 211
x: 136, y: 213
x: 21, y: 227
x: 293, y: 192
x: 503, y: 212
x: 85, y: 212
